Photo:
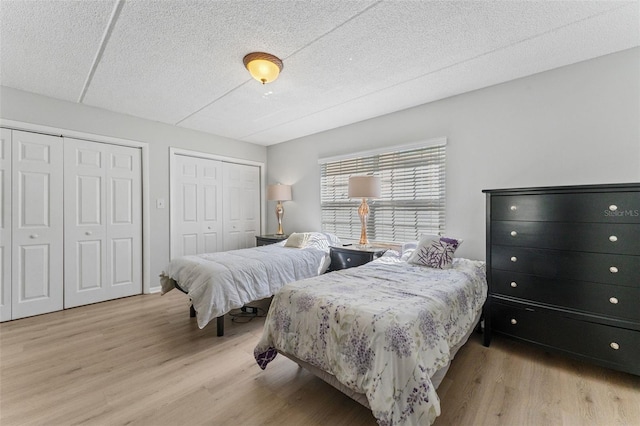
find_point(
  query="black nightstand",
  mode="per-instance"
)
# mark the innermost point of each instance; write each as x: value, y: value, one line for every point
x: 350, y: 256
x: 264, y: 240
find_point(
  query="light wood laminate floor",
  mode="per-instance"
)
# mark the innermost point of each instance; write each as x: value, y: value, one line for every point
x: 143, y: 361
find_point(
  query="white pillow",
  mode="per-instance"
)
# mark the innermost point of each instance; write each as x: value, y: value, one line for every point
x: 318, y: 240
x: 297, y: 240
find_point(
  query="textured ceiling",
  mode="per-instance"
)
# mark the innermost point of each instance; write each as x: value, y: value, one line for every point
x: 180, y: 62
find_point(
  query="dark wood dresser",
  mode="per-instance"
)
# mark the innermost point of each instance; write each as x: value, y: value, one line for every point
x: 563, y: 267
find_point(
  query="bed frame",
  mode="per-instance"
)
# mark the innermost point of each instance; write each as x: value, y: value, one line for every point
x: 192, y: 314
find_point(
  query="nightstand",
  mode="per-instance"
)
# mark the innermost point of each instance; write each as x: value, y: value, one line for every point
x: 350, y: 256
x: 264, y: 240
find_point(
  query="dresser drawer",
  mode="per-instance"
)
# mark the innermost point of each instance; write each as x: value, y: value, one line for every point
x: 614, y: 269
x: 622, y: 238
x: 349, y: 257
x: 607, y: 207
x: 600, y: 299
x: 618, y: 346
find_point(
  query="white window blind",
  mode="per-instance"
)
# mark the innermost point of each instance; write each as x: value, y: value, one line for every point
x: 412, y: 201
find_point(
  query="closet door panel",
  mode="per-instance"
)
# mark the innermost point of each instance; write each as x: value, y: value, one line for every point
x: 241, y: 205
x: 196, y: 206
x: 37, y: 224
x: 85, y: 228
x: 124, y: 221
x: 5, y: 224
x: 89, y: 273
x: 212, y: 208
x: 251, y: 205
x: 122, y: 261
x: 184, y: 207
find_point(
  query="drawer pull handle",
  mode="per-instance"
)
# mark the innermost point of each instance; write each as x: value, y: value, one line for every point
x: 613, y: 270
x: 514, y: 284
x: 613, y: 207
x: 87, y: 233
x: 613, y: 238
x: 514, y: 259
x: 33, y: 236
x: 348, y: 259
x: 613, y: 300
x: 614, y: 346
x: 514, y: 208
x: 514, y: 233
x: 514, y: 321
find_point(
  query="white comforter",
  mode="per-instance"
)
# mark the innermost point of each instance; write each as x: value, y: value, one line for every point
x: 382, y: 329
x: 222, y: 281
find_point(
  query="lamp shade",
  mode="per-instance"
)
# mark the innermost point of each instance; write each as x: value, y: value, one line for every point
x: 279, y: 192
x: 364, y: 187
x: 264, y: 67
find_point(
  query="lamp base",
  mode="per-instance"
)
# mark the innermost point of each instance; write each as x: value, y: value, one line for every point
x: 279, y: 215
x: 363, y: 212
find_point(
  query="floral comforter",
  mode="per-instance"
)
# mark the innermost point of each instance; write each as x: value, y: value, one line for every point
x: 381, y: 329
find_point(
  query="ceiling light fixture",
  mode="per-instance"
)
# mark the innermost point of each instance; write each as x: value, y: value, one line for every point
x: 264, y: 67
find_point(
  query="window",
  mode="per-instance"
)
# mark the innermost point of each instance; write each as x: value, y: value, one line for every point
x: 412, y: 200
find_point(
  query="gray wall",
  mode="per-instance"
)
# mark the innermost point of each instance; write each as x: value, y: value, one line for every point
x: 31, y: 108
x: 578, y: 124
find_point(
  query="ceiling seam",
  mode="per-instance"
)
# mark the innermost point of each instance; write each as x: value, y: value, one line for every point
x: 366, y: 9
x: 103, y: 44
x: 213, y: 101
x: 284, y: 58
x: 435, y: 71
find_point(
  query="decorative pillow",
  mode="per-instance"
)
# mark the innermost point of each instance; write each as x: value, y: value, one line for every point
x: 319, y: 240
x: 297, y: 240
x: 435, y: 251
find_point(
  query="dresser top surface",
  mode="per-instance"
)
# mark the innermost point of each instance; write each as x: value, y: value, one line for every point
x: 358, y: 248
x: 566, y: 189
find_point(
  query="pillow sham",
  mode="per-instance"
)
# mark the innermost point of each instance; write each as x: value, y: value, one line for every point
x: 435, y: 251
x: 297, y: 240
x: 319, y: 240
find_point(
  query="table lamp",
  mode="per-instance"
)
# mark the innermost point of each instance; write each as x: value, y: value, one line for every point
x: 279, y: 193
x: 364, y: 187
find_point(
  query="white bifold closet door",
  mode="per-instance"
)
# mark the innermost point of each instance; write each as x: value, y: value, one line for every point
x: 103, y: 222
x: 196, y: 206
x: 241, y: 206
x: 37, y: 224
x: 5, y: 224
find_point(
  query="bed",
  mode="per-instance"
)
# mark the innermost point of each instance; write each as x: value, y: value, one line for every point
x: 383, y: 333
x: 218, y: 282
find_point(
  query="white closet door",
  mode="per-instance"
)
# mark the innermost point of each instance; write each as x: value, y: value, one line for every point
x: 196, y: 206
x: 85, y: 226
x: 5, y: 224
x: 124, y: 221
x: 103, y: 222
x: 37, y: 224
x: 241, y: 205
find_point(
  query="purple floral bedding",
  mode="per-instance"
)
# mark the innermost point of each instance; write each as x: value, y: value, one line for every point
x: 381, y: 329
